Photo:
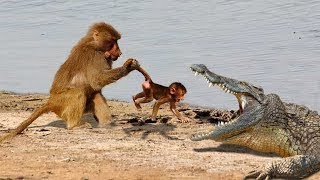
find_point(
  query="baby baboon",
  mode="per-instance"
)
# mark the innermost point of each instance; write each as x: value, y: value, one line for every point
x: 172, y: 94
x: 77, y: 85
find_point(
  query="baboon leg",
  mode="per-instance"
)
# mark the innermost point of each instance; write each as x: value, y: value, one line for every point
x: 139, y: 95
x: 144, y: 100
x: 70, y: 106
x: 148, y: 97
x: 101, y: 109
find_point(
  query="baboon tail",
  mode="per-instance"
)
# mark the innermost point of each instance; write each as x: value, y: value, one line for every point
x: 145, y: 74
x: 44, y: 109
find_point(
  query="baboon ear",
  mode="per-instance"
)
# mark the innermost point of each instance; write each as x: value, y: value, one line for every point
x: 95, y: 35
x: 172, y: 90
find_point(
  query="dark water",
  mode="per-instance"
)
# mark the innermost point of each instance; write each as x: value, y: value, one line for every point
x: 274, y: 44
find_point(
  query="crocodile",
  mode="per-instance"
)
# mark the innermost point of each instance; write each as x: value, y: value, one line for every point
x: 266, y: 124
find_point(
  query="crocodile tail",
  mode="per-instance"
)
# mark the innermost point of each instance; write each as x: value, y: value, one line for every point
x: 26, y: 123
x: 201, y: 136
x: 145, y: 74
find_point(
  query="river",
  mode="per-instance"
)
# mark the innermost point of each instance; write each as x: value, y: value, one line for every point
x: 272, y: 43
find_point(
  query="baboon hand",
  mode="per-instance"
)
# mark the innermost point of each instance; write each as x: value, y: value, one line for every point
x: 131, y: 64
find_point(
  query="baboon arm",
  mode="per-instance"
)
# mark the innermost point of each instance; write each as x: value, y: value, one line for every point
x: 157, y: 105
x: 99, y: 79
x: 113, y: 75
x: 174, y: 110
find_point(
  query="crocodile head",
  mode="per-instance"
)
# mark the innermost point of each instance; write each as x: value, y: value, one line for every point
x: 250, y: 100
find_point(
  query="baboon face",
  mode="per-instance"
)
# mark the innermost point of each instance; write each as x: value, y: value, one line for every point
x: 107, y: 43
x: 115, y: 51
x: 177, y: 93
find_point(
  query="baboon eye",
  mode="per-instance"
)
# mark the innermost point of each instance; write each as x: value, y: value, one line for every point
x: 108, y: 45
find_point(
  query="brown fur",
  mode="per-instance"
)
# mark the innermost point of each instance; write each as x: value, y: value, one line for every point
x: 172, y: 94
x: 77, y: 85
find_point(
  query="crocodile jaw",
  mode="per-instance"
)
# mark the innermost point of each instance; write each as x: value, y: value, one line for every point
x: 250, y: 107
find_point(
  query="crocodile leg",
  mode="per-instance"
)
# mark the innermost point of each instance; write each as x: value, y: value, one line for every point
x: 299, y: 166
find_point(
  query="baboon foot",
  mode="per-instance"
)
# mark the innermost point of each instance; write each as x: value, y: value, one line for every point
x: 136, y: 104
x: 104, y: 124
x: 82, y: 125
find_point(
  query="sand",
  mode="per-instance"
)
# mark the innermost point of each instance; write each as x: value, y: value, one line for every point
x: 125, y: 149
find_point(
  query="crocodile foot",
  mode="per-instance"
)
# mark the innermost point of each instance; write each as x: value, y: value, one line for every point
x: 258, y: 174
x: 294, y: 167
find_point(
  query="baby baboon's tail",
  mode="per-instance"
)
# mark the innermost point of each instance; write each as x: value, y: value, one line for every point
x: 145, y: 74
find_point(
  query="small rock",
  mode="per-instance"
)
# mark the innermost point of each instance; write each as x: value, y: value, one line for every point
x: 133, y: 120
x: 164, y: 120
x: 43, y: 130
x: 213, y: 120
x: 150, y: 121
x: 204, y: 113
x: 68, y: 160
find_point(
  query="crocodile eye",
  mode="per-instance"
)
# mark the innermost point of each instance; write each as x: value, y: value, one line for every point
x: 244, y: 83
x: 259, y: 88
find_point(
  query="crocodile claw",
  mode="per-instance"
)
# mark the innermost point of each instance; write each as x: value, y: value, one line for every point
x: 258, y: 174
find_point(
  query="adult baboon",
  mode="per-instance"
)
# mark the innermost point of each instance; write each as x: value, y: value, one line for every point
x: 77, y: 85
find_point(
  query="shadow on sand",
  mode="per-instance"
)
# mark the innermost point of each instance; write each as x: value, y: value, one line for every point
x: 61, y: 124
x: 150, y: 127
x: 233, y: 149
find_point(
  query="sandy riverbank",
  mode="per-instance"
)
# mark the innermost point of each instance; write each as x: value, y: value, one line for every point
x: 126, y: 149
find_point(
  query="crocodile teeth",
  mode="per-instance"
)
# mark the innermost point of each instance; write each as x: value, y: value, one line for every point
x: 196, y: 74
x: 221, y: 123
x: 210, y: 84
